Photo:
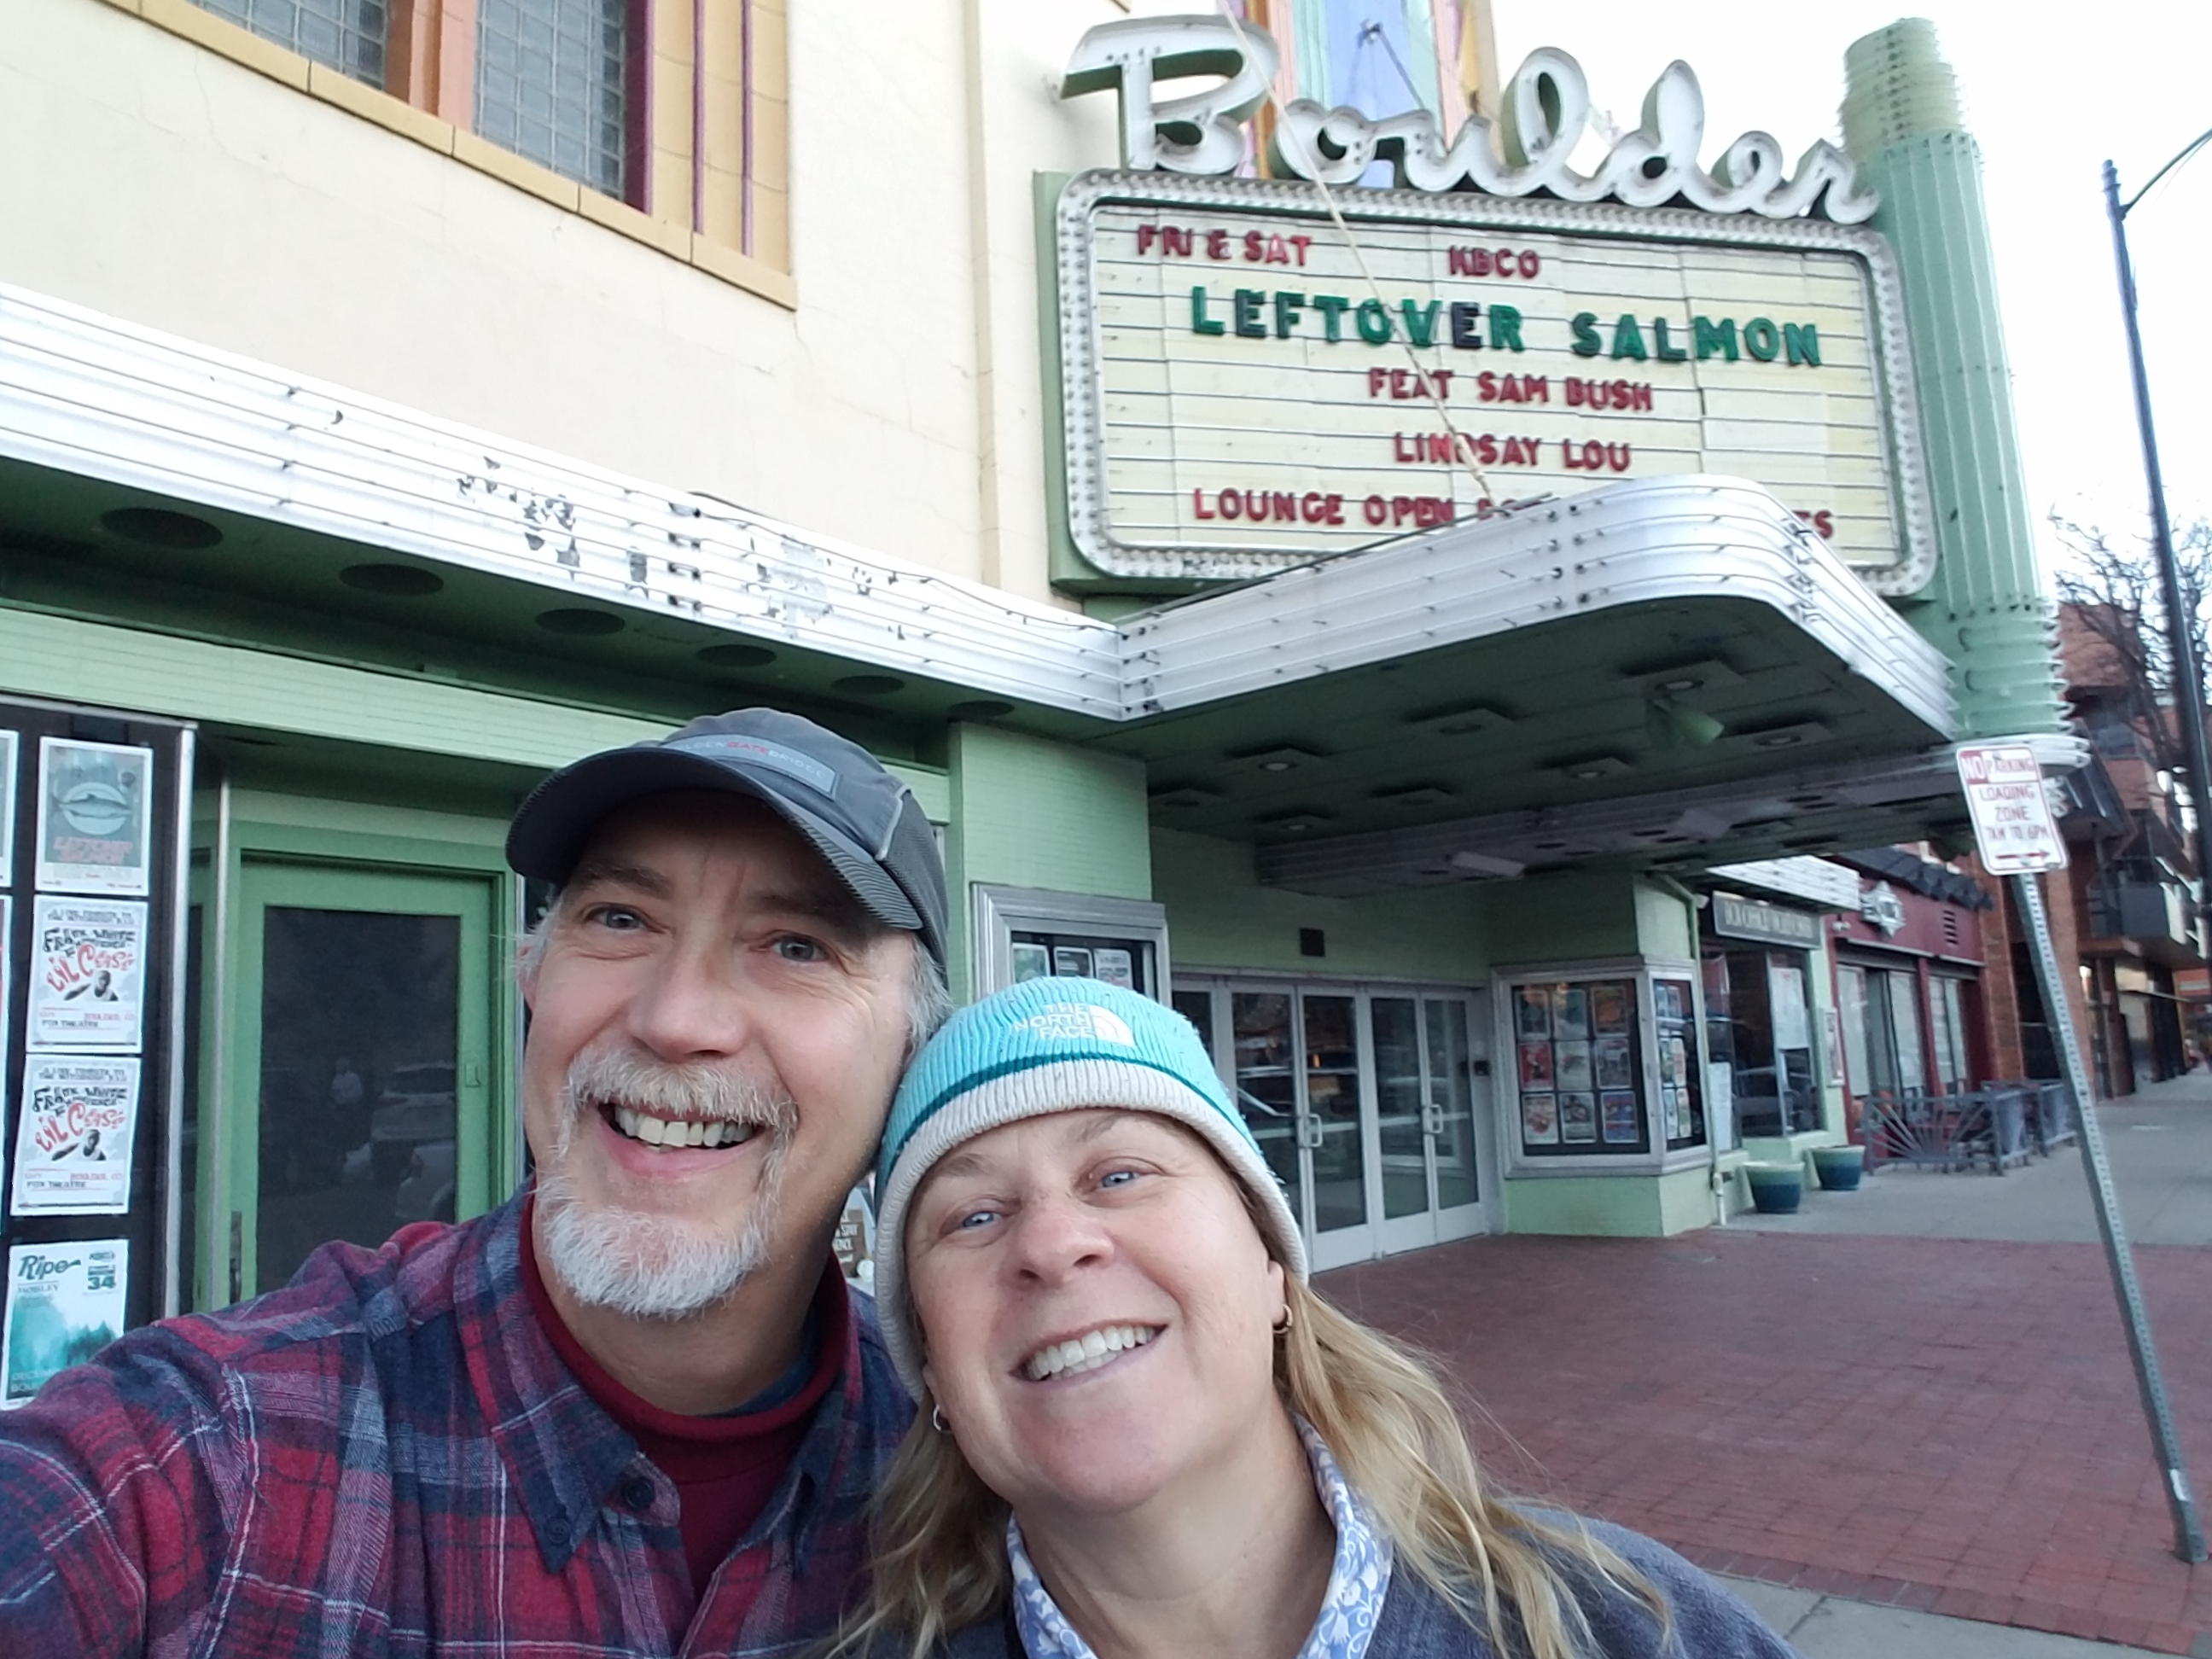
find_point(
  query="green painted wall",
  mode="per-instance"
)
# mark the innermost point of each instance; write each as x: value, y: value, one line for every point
x: 1686, y: 1200
x: 401, y: 831
x: 1610, y: 1206
x: 1665, y: 922
x: 72, y: 660
x: 1588, y: 913
x: 1219, y: 916
x: 1027, y: 812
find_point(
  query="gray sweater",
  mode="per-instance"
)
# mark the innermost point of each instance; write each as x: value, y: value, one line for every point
x: 1710, y: 1622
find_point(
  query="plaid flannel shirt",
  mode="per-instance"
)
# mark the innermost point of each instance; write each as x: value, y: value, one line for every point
x: 386, y: 1456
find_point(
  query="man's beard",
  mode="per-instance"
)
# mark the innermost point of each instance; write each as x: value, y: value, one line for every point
x: 639, y: 1264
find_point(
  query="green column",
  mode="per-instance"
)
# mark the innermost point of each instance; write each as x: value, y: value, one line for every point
x: 1986, y: 608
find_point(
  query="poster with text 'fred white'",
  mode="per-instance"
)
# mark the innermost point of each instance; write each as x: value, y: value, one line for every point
x: 87, y: 974
x: 73, y: 1144
x: 95, y: 817
x: 64, y: 1305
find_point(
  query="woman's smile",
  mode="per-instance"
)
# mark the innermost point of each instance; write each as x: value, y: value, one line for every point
x: 1090, y: 1351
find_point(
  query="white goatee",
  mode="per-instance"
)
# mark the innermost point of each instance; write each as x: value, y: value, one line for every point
x: 642, y: 1264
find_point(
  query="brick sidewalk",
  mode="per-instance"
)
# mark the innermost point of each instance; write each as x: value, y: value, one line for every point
x: 1950, y: 1425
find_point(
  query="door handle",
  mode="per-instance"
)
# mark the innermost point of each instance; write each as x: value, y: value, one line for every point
x: 1310, y: 1131
x: 1433, y: 1120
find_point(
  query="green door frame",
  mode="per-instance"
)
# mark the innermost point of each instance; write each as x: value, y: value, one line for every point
x: 229, y: 1181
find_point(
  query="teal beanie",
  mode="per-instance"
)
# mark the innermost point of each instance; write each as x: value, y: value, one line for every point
x: 1045, y: 1046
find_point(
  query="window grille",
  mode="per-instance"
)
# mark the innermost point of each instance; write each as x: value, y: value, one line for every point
x: 549, y: 85
x: 346, y: 35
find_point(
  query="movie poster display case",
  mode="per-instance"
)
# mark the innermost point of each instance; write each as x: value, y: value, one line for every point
x: 1601, y: 1065
x: 92, y: 914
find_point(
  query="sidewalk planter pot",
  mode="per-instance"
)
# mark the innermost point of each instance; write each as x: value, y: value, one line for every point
x: 1776, y: 1188
x: 1838, y: 1167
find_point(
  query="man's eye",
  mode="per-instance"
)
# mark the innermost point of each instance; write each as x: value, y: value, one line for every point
x: 1117, y: 1178
x: 792, y: 948
x: 971, y: 1219
x: 620, y: 917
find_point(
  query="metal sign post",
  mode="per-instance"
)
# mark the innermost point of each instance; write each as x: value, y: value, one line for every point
x: 2003, y: 785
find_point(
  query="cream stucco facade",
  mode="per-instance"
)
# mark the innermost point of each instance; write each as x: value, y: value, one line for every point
x: 896, y: 406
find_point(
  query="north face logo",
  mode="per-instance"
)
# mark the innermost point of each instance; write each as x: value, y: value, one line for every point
x: 1078, y: 1020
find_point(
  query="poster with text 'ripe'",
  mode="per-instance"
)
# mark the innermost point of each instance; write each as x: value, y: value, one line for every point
x: 64, y: 1305
x: 87, y: 974
x: 73, y: 1144
x: 95, y: 817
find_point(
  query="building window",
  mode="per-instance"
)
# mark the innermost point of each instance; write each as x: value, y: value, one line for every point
x: 1755, y: 1003
x: 346, y: 35
x: 1947, y: 1028
x: 551, y: 76
x: 678, y: 108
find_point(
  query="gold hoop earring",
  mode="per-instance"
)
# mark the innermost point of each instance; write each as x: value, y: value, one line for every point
x: 937, y: 1420
x: 1285, y: 1324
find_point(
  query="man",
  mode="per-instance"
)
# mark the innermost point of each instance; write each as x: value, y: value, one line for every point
x: 631, y: 1411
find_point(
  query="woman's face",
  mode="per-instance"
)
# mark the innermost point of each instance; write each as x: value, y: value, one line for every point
x: 1096, y: 1304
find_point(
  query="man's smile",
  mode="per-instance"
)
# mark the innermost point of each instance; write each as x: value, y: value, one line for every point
x: 672, y: 1132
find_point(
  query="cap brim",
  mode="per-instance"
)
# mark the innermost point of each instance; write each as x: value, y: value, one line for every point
x: 552, y: 827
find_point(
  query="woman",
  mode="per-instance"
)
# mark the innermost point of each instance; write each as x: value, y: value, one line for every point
x: 1142, y: 1434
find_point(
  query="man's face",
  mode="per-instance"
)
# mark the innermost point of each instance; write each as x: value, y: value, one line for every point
x: 706, y: 978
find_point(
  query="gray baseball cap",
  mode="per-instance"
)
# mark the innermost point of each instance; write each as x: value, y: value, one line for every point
x: 863, y: 822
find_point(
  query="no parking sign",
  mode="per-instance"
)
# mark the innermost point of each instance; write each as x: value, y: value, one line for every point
x: 2012, y: 825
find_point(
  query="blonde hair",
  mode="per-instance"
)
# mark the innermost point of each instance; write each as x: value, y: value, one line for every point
x: 940, y: 1560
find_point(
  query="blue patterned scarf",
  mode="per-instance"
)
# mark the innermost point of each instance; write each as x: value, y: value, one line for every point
x: 1358, y: 1579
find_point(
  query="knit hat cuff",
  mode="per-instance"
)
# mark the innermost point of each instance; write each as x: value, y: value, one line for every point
x: 1039, y: 1091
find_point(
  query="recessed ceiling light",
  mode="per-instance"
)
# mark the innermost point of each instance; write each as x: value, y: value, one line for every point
x: 1684, y: 682
x: 1778, y: 739
x: 159, y: 526
x: 1276, y: 757
x: 580, y: 624
x: 737, y: 656
x: 1486, y: 864
x: 396, y: 582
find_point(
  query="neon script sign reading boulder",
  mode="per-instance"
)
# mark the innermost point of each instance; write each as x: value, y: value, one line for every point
x: 1242, y: 388
x: 1547, y: 108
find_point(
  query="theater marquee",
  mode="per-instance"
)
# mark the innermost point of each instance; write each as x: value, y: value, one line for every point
x: 1238, y: 397
x: 1246, y: 387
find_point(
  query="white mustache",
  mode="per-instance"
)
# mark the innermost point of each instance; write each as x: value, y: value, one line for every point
x: 708, y: 1093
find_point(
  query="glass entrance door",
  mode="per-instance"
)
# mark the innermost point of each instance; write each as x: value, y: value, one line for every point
x: 358, y: 1098
x: 1425, y: 1119
x: 1362, y: 1101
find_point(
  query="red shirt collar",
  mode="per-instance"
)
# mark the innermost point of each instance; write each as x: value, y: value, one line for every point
x: 656, y: 1429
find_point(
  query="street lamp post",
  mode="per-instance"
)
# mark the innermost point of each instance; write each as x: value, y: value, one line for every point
x: 2188, y: 692
x: 2185, y: 672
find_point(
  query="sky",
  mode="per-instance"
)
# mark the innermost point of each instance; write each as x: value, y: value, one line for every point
x: 2051, y: 92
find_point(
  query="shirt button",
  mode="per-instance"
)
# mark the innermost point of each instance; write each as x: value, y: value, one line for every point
x: 637, y: 1493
